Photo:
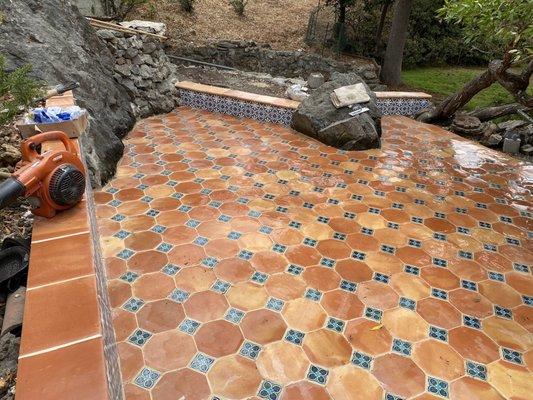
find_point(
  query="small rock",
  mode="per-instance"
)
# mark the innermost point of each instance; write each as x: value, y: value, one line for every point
x: 315, y: 80
x: 131, y: 52
x: 527, y: 150
x: 493, y: 140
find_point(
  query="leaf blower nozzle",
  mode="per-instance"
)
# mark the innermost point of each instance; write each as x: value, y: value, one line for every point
x: 10, y: 190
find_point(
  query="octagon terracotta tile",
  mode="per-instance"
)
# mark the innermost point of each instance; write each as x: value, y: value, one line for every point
x: 405, y: 324
x: 321, y: 278
x: 282, y: 362
x: 124, y: 323
x: 353, y: 271
x: 263, y: 326
x: 499, y: 293
x: 507, y: 333
x: 524, y: 316
x: 377, y: 295
x: 218, y: 338
x: 285, y: 286
x: 268, y: 262
x: 342, y: 304
x: 247, y: 296
x: 195, y: 279
x: 153, y: 286
x: 169, y: 350
x: 304, y: 390
x: 206, y: 306
x: 399, y: 375
x: 438, y: 312
x: 234, y: 377
x: 473, y: 345
x: 368, y: 337
x: 349, y: 382
x: 470, y: 303
x: 304, y: 315
x: 327, y: 348
x: 438, y: 359
x: 184, y: 383
x: 160, y: 315
x: 409, y: 286
x: 468, y: 388
x: 510, y: 380
x: 131, y: 360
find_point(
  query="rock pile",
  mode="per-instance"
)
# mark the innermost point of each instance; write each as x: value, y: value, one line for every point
x: 142, y: 66
x: 251, y: 56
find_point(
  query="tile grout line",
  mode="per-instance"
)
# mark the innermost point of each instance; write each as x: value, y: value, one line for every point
x: 61, y: 346
x: 59, y: 282
x: 61, y: 237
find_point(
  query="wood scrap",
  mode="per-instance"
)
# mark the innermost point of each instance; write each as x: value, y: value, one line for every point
x: 116, y: 27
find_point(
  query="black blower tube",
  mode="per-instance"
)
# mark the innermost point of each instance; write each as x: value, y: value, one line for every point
x: 10, y: 190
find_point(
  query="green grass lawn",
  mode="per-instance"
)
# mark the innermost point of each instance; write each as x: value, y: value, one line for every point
x: 441, y: 82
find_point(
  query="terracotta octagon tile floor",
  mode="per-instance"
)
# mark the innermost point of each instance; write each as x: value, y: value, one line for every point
x: 248, y: 261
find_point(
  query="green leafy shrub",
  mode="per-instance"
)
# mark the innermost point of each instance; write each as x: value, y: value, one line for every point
x: 187, y: 5
x: 17, y: 91
x: 239, y: 6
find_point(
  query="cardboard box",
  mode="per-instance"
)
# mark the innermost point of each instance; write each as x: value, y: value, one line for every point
x: 73, y: 128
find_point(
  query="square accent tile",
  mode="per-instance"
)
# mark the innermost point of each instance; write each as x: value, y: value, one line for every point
x: 139, y: 337
x: 437, y: 386
x: 234, y: 315
x: 133, y: 305
x: 250, y: 350
x: 275, y: 304
x: 313, y: 294
x: 476, y: 370
x: 179, y: 296
x: 294, y: 336
x: 202, y: 362
x: 402, y: 347
x: 317, y: 374
x: 361, y: 360
x: 147, y: 378
x: 269, y: 390
x: 335, y: 324
x: 189, y: 326
x: 512, y: 356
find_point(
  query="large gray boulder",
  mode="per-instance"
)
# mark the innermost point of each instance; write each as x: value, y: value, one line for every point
x: 317, y: 117
x: 58, y: 42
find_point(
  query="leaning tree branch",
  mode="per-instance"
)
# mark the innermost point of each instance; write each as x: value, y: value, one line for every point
x: 517, y: 84
x: 489, y: 113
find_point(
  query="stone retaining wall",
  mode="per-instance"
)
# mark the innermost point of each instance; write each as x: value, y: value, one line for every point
x: 142, y: 66
x: 251, y: 56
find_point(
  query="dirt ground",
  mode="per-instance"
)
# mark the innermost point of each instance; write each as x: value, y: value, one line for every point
x: 281, y: 23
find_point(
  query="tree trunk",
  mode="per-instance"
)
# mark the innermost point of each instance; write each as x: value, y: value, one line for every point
x: 392, y: 65
x: 497, y: 72
x: 379, y: 32
x: 486, y: 114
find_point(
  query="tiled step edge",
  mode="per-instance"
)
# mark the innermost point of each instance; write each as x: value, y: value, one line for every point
x: 64, y: 351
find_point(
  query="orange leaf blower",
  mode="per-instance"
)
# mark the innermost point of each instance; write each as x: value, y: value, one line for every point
x: 53, y: 180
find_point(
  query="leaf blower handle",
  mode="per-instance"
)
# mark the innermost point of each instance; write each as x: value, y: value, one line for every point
x: 29, y: 146
x: 10, y: 190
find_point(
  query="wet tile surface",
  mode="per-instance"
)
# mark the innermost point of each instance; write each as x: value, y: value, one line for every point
x: 247, y: 261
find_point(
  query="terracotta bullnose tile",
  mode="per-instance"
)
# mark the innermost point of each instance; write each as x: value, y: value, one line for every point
x: 304, y: 315
x: 304, y: 390
x: 468, y: 388
x: 342, y: 304
x: 363, y: 336
x: 470, y: 303
x: 263, y: 326
x: 206, y: 306
x: 76, y: 369
x: 169, y: 350
x: 405, y: 324
x: 153, y: 286
x: 508, y: 333
x: 438, y: 312
x: 247, y: 296
x: 285, y: 286
x: 184, y: 383
x: 60, y: 259
x: 377, y: 295
x: 71, y: 311
x: 160, y: 315
x: 68, y: 222
x: 399, y: 375
x: 473, y: 344
x: 512, y: 381
x: 349, y: 382
x: 131, y: 360
x: 282, y: 362
x: 234, y: 377
x: 438, y: 359
x: 327, y: 348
